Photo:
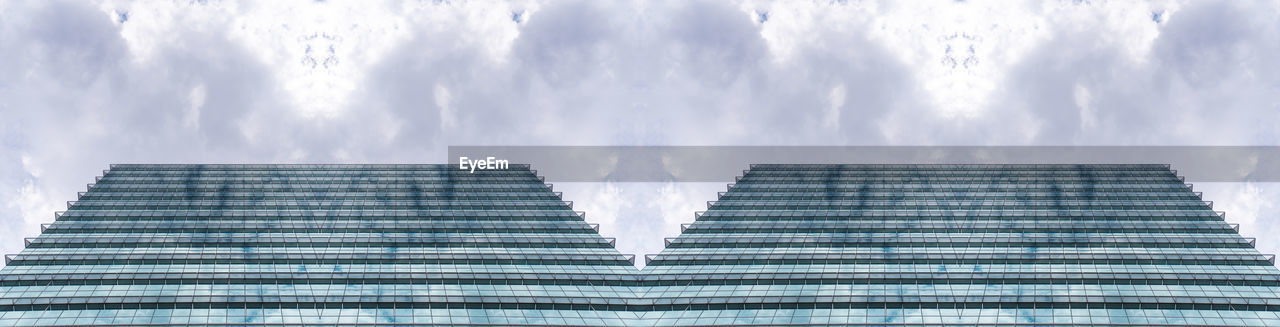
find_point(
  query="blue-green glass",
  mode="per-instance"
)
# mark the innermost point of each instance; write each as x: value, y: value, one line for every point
x: 787, y: 244
x: 315, y: 244
x: 963, y: 244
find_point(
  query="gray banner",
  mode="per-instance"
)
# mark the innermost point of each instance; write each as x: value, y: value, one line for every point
x: 722, y: 163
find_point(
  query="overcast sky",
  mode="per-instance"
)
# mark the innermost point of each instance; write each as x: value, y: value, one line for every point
x: 84, y: 84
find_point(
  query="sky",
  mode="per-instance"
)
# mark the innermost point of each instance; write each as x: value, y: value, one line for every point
x: 84, y: 84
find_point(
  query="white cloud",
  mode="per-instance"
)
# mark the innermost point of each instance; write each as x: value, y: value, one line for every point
x: 1252, y: 205
x: 1088, y: 118
x: 191, y: 118
x: 448, y: 119
x: 603, y: 203
x: 831, y: 119
x: 35, y: 206
x: 396, y: 81
x: 679, y: 202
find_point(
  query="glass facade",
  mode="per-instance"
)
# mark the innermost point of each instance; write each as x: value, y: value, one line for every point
x: 315, y: 244
x: 1041, y: 245
x: 1038, y: 245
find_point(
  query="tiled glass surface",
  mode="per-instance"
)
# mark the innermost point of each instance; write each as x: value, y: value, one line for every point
x: 962, y: 244
x: 1044, y: 245
x: 316, y: 244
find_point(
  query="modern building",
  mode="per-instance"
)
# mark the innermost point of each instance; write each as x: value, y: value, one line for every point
x: 1044, y: 245
x: 315, y: 244
x: 1067, y: 245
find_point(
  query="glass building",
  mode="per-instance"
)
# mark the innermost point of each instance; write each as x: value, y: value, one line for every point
x: 315, y: 244
x: 1043, y: 245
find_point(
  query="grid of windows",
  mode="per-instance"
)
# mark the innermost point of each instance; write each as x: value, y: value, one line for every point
x: 316, y: 244
x: 1063, y: 245
x: 963, y: 244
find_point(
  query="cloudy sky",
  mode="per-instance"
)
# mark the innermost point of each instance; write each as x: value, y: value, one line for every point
x: 84, y: 84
